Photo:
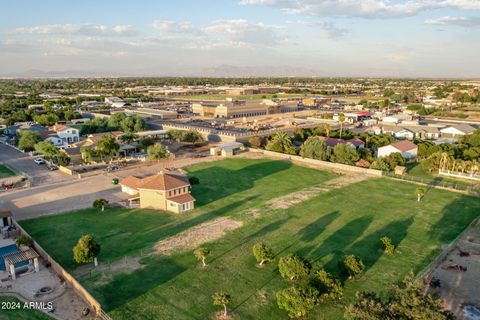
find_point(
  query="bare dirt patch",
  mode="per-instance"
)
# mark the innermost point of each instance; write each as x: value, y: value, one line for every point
x: 193, y: 237
x: 458, y: 270
x: 292, y: 199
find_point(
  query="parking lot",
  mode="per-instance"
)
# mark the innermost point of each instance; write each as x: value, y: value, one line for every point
x: 22, y: 163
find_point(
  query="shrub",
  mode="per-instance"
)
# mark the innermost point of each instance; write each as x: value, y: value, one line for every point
x: 262, y: 253
x: 100, y: 204
x: 293, y: 267
x: 352, y: 265
x: 86, y: 249
x: 193, y: 180
x: 329, y: 287
x: 24, y: 241
x: 387, y: 245
x: 297, y: 301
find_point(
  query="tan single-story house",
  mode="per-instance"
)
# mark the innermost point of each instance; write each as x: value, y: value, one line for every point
x: 167, y: 190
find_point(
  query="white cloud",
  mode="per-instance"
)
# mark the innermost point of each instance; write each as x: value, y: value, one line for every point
x: 371, y: 9
x: 236, y: 33
x: 467, y: 22
x: 85, y: 29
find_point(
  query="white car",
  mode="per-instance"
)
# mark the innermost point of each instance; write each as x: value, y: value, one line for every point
x: 39, y: 161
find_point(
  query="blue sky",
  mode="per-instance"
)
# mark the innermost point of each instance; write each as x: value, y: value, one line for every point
x: 414, y: 38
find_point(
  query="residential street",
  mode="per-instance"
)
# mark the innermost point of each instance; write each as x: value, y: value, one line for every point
x: 70, y: 194
x: 23, y: 163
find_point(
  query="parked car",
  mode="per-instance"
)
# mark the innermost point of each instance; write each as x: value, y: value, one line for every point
x: 39, y: 161
x: 52, y: 167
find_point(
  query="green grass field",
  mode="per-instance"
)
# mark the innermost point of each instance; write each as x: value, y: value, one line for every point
x: 321, y: 229
x: 6, y: 172
x: 11, y: 310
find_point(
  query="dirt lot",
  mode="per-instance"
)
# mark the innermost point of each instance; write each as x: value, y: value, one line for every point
x: 305, y: 194
x: 197, y: 235
x: 460, y: 289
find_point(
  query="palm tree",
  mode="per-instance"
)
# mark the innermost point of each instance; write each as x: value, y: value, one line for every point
x: 282, y: 139
x: 341, y: 118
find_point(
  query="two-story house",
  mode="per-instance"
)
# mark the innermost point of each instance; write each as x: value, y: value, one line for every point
x: 66, y: 133
x: 167, y: 190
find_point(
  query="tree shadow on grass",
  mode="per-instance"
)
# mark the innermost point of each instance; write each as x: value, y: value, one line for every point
x: 217, y: 182
x: 124, y: 288
x: 163, y: 232
x: 456, y: 216
x: 314, y: 229
x: 368, y: 248
x: 259, y: 233
x: 336, y: 243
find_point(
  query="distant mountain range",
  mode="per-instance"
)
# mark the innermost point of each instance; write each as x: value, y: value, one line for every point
x: 220, y: 71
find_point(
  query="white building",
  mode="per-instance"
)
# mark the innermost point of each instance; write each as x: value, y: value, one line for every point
x: 115, y: 102
x: 67, y: 134
x: 408, y: 149
x: 458, y: 130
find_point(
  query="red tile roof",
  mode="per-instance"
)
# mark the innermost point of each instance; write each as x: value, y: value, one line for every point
x: 404, y: 145
x: 182, y: 198
x: 160, y: 181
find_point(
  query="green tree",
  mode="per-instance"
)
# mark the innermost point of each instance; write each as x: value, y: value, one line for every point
x: 176, y: 135
x: 297, y: 301
x: 28, y: 140
x: 192, y: 136
x: 386, y: 244
x: 201, y: 254
x: 329, y: 287
x: 351, y: 265
x: 315, y: 148
x: 107, y: 146
x: 47, y: 119
x: 280, y: 142
x: 341, y: 119
x: 87, y: 154
x: 116, y: 119
x: 86, y: 250
x: 346, y: 154
x: 140, y: 124
x: 100, y: 204
x: 293, y: 267
x: 157, y: 151
x: 407, y: 300
x: 61, y: 159
x: 262, y: 253
x: 420, y: 192
x: 128, y: 137
x: 222, y: 299
x: 47, y: 148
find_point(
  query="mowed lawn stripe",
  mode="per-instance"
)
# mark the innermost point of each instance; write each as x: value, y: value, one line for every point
x: 226, y: 188
x: 323, y: 229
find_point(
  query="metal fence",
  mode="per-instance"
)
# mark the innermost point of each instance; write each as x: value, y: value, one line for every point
x: 471, y: 189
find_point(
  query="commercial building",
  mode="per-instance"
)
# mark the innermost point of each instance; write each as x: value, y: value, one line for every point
x: 240, y: 109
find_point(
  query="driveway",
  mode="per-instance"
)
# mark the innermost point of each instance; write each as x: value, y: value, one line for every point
x: 23, y: 163
x: 60, y: 197
x: 74, y: 194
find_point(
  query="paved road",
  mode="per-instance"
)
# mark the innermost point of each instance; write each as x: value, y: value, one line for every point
x: 60, y: 197
x: 23, y: 163
x: 74, y: 194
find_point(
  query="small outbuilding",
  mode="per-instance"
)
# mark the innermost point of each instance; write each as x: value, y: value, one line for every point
x: 5, y: 218
x: 227, y: 149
